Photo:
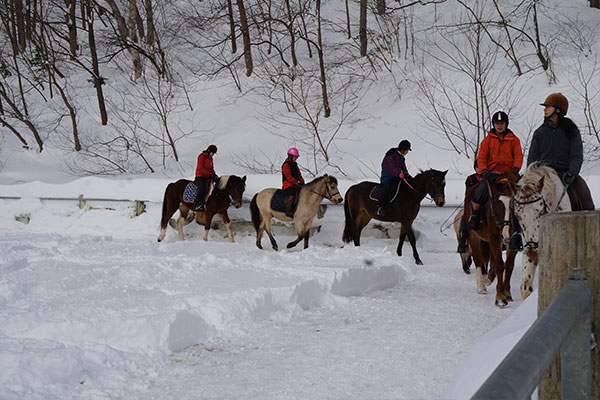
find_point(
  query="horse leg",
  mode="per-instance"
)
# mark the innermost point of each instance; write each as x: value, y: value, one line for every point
x: 529, y: 267
x: 413, y: 244
x: 306, y: 236
x: 295, y: 242
x: 207, y: 222
x: 267, y: 228
x: 509, y: 265
x: 183, y: 212
x: 401, y: 241
x: 498, y: 266
x: 478, y: 259
x: 227, y: 222
x: 170, y: 209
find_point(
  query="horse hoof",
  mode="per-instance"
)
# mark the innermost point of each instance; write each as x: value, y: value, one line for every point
x: 501, y: 303
x: 482, y: 291
x: 419, y: 262
x: 259, y: 246
x: 290, y: 245
x: 275, y: 248
x: 467, y: 270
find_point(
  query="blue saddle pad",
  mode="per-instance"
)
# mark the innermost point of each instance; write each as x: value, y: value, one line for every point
x: 278, y: 201
x: 190, y: 193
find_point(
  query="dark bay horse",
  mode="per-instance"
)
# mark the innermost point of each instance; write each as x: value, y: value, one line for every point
x: 230, y: 188
x: 309, y: 199
x: 486, y: 241
x: 359, y: 208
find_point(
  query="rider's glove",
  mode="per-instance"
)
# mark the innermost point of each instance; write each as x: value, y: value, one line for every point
x: 569, y: 177
x: 401, y: 175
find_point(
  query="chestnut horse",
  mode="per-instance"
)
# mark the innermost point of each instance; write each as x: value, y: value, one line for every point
x: 493, y: 231
x: 359, y: 208
x: 540, y: 191
x: 309, y: 199
x: 230, y: 188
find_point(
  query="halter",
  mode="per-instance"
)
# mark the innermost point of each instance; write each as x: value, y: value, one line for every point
x: 329, y: 195
x: 425, y: 195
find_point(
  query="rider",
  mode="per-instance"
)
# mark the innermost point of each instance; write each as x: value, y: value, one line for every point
x: 204, y: 173
x: 471, y: 181
x: 292, y: 180
x: 393, y: 169
x: 499, y: 152
x: 557, y: 143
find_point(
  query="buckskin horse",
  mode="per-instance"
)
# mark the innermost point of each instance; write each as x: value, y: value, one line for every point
x: 493, y: 231
x: 359, y: 208
x: 230, y: 188
x: 309, y: 199
x: 540, y: 191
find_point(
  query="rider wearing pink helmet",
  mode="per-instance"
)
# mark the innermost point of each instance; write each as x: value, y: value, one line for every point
x: 292, y: 180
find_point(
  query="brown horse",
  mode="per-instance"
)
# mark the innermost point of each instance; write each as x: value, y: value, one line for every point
x: 493, y: 231
x: 359, y: 208
x: 309, y: 199
x: 230, y: 188
x: 466, y: 258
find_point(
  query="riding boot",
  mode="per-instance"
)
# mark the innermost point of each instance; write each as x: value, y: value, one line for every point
x: 515, y: 243
x: 474, y: 219
x: 289, y: 206
x: 462, y: 242
x: 381, y: 211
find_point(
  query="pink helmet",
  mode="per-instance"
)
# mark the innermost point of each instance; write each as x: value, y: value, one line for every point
x: 293, y: 152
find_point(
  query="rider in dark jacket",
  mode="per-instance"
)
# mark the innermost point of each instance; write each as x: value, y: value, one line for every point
x: 557, y: 143
x: 393, y: 170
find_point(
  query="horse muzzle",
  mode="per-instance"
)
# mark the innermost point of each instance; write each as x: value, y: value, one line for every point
x: 337, y: 200
x: 237, y: 204
x: 440, y: 201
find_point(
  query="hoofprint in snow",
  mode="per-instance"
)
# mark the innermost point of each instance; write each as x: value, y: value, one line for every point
x: 93, y: 307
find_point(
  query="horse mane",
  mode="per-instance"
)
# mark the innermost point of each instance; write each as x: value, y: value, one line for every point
x: 320, y: 178
x: 552, y: 183
x: 223, y: 182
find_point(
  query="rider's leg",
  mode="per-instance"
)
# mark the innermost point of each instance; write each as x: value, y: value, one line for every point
x: 201, y: 184
x: 583, y: 191
x: 462, y: 235
x: 476, y: 201
x: 290, y: 198
x: 385, y: 199
x: 515, y: 243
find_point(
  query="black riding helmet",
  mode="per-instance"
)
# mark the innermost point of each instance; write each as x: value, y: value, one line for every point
x: 500, y: 116
x: 404, y: 145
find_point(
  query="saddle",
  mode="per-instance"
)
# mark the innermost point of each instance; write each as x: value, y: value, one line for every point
x: 377, y: 193
x: 278, y: 201
x: 190, y: 193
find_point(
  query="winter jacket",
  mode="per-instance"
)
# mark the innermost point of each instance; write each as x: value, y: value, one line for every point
x: 204, y: 168
x: 552, y: 146
x: 472, y: 180
x: 500, y: 155
x: 290, y: 174
x: 393, y: 163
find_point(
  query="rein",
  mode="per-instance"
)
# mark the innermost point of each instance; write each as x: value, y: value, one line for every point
x: 500, y: 223
x: 425, y: 195
x: 329, y: 194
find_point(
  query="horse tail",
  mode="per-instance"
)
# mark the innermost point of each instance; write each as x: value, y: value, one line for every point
x: 164, y: 220
x: 348, y: 235
x: 255, y: 212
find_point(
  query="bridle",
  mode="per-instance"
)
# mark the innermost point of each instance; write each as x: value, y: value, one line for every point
x: 329, y: 195
x: 425, y: 195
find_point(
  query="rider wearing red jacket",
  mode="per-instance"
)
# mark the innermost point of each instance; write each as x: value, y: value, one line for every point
x: 292, y: 180
x: 205, y: 172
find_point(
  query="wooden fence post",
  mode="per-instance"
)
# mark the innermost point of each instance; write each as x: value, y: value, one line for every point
x: 567, y: 241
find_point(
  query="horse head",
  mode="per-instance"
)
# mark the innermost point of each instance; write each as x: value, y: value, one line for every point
x: 331, y: 189
x: 234, y: 187
x: 435, y: 184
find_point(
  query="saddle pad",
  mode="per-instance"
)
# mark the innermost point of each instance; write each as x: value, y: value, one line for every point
x: 377, y: 193
x: 190, y: 193
x: 278, y: 201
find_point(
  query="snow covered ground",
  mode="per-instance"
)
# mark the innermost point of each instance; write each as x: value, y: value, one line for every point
x: 93, y: 307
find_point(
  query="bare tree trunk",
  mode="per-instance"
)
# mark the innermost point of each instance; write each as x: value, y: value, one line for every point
x: 362, y: 30
x: 13, y: 130
x: 380, y: 7
x: 291, y: 33
x: 72, y: 114
x: 21, y: 117
x: 72, y: 25
x: 150, y: 30
x: 595, y: 3
x: 133, y: 23
x: 98, y: 81
x: 231, y: 27
x: 20, y: 19
x: 348, y: 20
x: 327, y: 112
x: 545, y: 62
x: 245, y: 36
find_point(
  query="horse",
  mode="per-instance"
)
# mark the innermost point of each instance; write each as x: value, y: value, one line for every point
x: 359, y: 208
x: 486, y: 241
x: 540, y: 191
x: 230, y: 188
x: 309, y: 199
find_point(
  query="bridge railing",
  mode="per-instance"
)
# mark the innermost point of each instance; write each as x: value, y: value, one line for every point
x: 565, y: 327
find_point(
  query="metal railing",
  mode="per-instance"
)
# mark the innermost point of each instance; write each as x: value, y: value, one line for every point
x: 564, y: 326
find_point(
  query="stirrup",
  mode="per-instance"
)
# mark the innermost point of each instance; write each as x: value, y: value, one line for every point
x: 381, y: 211
x: 515, y: 242
x: 473, y: 223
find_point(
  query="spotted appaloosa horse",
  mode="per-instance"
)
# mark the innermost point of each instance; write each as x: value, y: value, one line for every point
x: 493, y: 232
x: 540, y: 191
x: 230, y: 188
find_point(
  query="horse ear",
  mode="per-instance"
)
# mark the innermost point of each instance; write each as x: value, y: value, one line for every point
x: 244, y: 179
x: 541, y: 183
x: 445, y: 172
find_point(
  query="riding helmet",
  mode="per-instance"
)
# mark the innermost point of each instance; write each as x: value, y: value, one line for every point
x: 211, y: 149
x: 292, y: 151
x: 404, y: 145
x: 500, y: 116
x: 557, y: 100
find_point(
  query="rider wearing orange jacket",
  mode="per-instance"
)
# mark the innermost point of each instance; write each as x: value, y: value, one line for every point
x: 292, y: 180
x: 205, y: 172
